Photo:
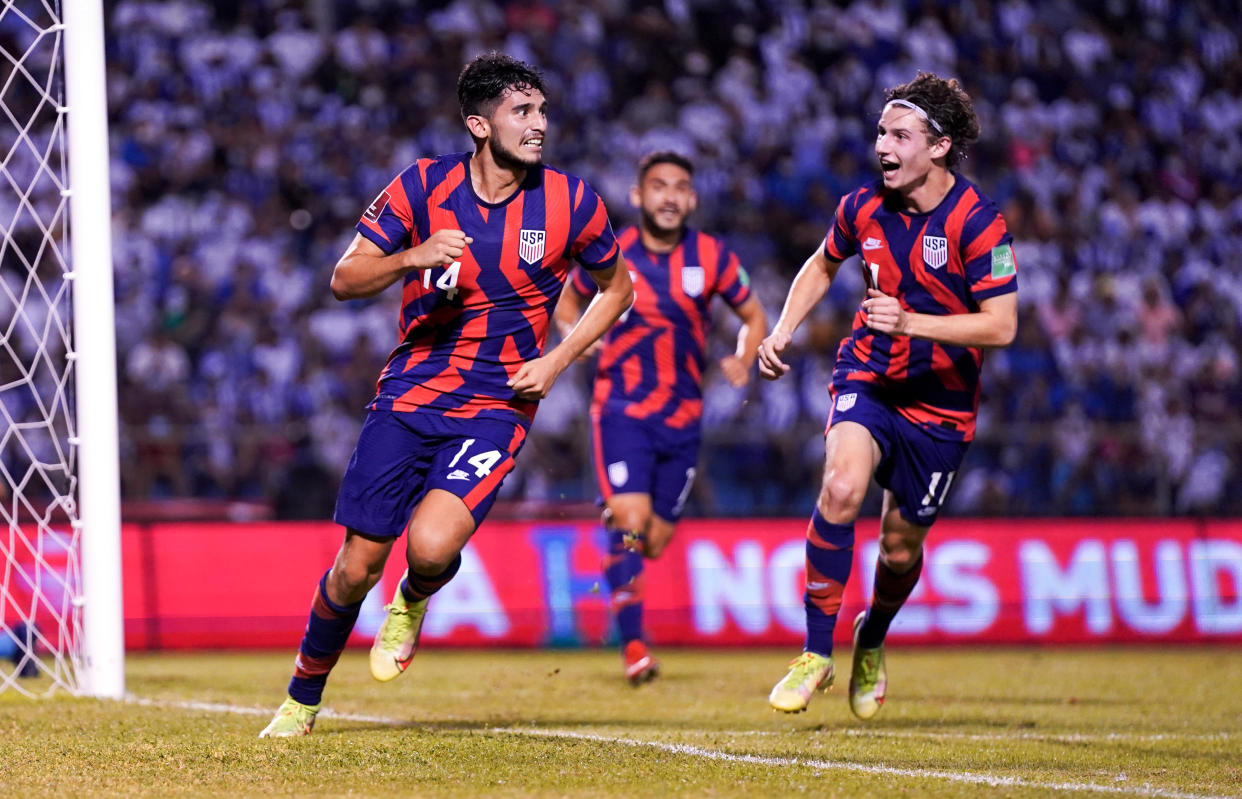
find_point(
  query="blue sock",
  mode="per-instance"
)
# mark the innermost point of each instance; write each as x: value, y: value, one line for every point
x: 327, y: 631
x: 890, y: 593
x: 623, y: 571
x: 417, y: 587
x: 829, y: 558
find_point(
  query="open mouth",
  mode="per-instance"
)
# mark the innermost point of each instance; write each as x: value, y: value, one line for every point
x: 535, y: 142
x: 888, y: 166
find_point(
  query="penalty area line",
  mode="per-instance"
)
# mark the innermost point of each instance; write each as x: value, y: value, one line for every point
x: 961, y: 777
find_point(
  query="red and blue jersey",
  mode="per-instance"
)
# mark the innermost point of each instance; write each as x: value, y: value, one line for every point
x: 468, y: 327
x: 941, y: 262
x: 651, y: 364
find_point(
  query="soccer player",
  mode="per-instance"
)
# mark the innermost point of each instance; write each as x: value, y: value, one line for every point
x: 648, y: 394
x: 482, y: 245
x: 941, y: 281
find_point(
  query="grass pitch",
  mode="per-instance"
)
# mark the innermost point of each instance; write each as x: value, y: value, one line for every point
x: 1020, y: 723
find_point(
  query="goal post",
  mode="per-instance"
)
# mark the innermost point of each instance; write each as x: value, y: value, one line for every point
x: 61, y: 618
x: 102, y: 660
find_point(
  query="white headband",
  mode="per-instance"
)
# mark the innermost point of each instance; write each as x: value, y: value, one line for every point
x: 919, y: 111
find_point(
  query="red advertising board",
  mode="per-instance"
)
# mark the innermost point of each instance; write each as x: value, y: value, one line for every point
x: 721, y: 583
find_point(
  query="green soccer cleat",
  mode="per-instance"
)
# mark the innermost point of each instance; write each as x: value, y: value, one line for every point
x: 807, y: 673
x: 397, y: 640
x: 868, y: 677
x: 292, y: 719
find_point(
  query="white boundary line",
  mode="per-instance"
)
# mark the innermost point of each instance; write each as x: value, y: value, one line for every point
x: 1007, y: 737
x: 961, y: 777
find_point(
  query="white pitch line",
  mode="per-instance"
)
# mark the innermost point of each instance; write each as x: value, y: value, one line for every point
x: 969, y: 778
x: 1000, y: 737
x: 1070, y: 737
x: 963, y: 777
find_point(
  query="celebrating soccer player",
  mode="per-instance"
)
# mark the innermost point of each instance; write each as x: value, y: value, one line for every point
x: 648, y: 394
x: 941, y: 287
x: 482, y: 245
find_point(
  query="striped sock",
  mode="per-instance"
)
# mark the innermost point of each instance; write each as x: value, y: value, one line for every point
x: 327, y: 630
x: 623, y: 571
x: 829, y: 557
x: 417, y: 587
x: 891, y: 591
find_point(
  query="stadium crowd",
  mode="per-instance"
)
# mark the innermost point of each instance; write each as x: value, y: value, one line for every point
x: 247, y: 138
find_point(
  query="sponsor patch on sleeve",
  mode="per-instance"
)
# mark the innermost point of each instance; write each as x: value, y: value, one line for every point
x: 1002, y: 261
x: 743, y: 276
x: 381, y: 202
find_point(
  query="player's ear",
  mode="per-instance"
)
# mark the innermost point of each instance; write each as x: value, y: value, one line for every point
x: 694, y: 202
x: 940, y: 148
x: 636, y: 199
x: 479, y: 126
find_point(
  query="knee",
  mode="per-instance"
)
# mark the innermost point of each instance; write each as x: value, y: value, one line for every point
x: 653, y: 548
x: 629, y: 520
x: 352, y: 577
x: 430, y: 557
x: 900, y: 557
x: 840, y: 498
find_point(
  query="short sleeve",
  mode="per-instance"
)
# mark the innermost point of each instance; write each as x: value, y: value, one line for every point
x: 841, y: 242
x: 388, y: 221
x: 732, y: 282
x: 987, y: 254
x: 594, y: 244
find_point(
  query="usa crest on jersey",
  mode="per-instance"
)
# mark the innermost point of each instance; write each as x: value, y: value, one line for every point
x: 618, y: 473
x: 693, y: 279
x: 530, y: 245
x: 935, y: 251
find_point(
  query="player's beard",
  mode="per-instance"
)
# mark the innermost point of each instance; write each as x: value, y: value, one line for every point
x: 649, y: 222
x: 509, y: 159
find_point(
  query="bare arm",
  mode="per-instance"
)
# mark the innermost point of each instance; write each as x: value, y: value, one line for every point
x: 736, y: 367
x: 567, y: 310
x: 993, y: 325
x: 807, y: 289
x: 364, y: 270
x: 535, y: 378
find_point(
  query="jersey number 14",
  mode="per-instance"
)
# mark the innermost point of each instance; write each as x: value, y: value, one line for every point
x: 446, y: 281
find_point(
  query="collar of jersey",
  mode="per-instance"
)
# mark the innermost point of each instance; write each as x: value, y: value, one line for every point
x: 526, y: 183
x: 958, y: 185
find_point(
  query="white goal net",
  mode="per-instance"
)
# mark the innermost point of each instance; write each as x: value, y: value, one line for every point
x: 44, y: 642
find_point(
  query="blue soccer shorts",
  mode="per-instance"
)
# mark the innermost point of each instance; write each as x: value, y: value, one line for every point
x: 637, y: 456
x: 401, y: 456
x: 916, y: 466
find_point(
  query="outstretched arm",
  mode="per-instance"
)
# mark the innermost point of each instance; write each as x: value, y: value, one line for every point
x: 534, y: 379
x: 364, y: 270
x: 807, y: 289
x: 993, y: 325
x: 736, y: 367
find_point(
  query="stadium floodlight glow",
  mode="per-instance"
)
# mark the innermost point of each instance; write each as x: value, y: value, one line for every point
x: 61, y: 622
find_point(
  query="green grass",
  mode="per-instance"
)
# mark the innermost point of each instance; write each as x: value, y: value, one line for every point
x: 499, y: 724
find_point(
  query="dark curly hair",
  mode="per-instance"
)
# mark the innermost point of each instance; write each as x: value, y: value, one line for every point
x: 663, y: 157
x: 484, y: 82
x: 948, y: 104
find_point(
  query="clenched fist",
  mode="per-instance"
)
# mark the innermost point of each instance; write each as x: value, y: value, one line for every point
x: 440, y: 249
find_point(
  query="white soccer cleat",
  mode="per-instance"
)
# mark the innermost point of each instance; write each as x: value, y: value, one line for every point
x: 868, y: 677
x: 808, y: 673
x: 397, y: 639
x: 292, y: 720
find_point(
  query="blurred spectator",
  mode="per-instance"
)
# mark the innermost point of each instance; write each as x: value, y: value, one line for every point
x: 248, y: 138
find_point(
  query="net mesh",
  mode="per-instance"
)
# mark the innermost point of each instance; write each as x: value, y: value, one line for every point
x: 40, y: 575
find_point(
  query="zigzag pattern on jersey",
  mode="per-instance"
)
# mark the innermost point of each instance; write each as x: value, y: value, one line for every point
x: 466, y: 329
x: 932, y: 384
x: 652, y: 362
